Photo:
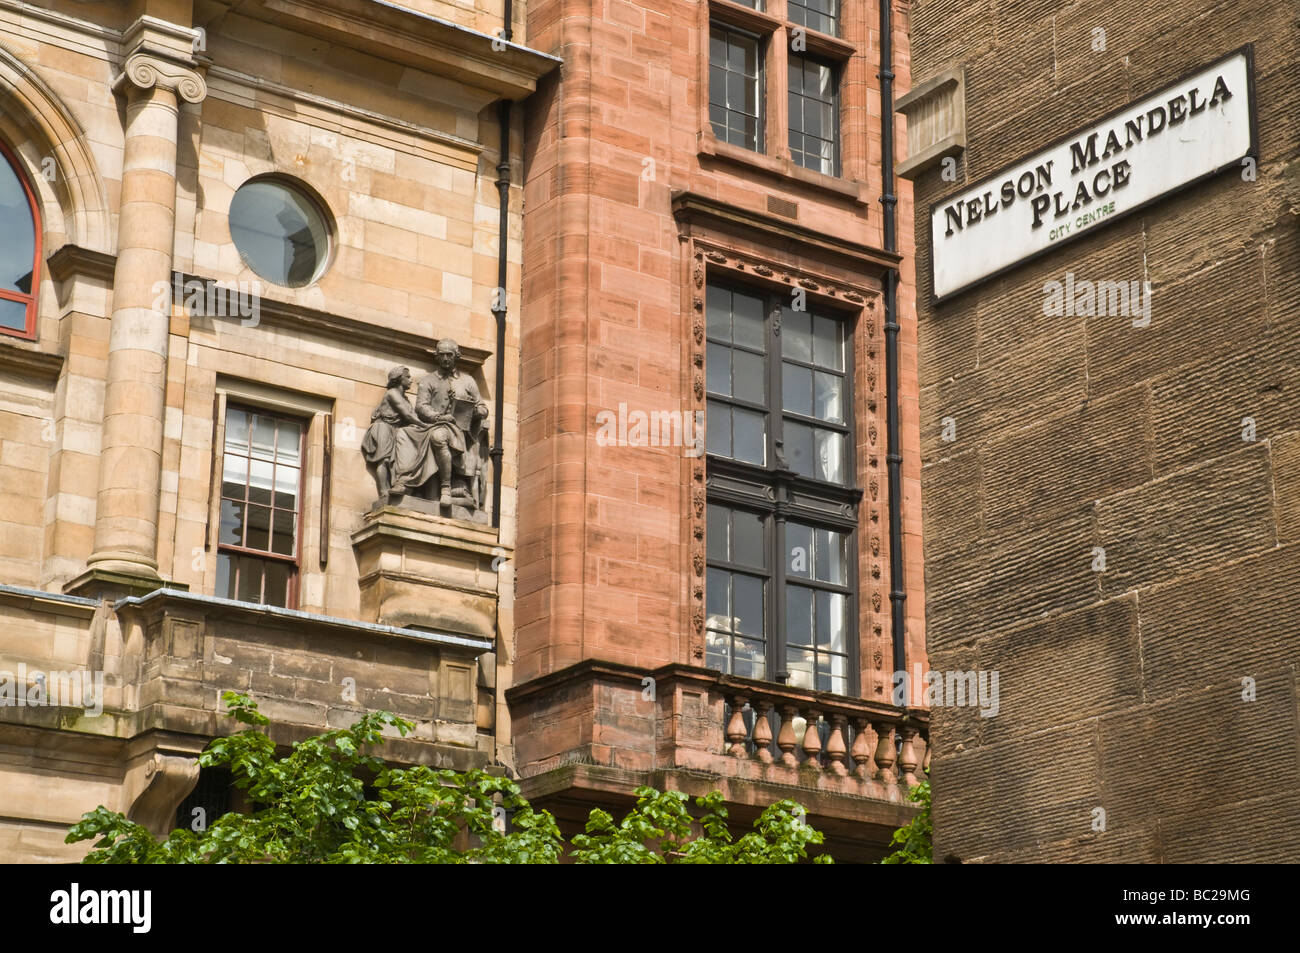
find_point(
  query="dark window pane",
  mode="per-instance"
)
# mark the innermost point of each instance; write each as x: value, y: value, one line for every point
x: 718, y: 88
x: 718, y: 119
x: 749, y: 437
x: 277, y: 584
x: 748, y: 593
x: 717, y: 533
x: 259, y: 527
x: 799, y: 448
x: 747, y: 539
x: 231, y: 531
x: 284, y: 538
x: 797, y: 389
x: 736, y: 84
x: 799, y: 550
x: 748, y: 321
x: 719, y: 429
x: 716, y: 594
x: 796, y: 334
x: 718, y: 367
x: 717, y: 48
x: 749, y: 377
x: 225, y: 587
x: 798, y: 615
x: 249, y: 587
x: 718, y: 303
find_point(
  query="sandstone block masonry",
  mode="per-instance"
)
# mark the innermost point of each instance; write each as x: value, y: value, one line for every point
x: 1110, y: 505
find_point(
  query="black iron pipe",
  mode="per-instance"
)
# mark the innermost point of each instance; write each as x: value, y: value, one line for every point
x: 499, y: 297
x: 894, y: 454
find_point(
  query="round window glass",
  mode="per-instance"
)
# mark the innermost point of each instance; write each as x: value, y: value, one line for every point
x: 280, y: 232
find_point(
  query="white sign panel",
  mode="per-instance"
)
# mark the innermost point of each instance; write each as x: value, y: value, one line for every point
x: 1186, y: 132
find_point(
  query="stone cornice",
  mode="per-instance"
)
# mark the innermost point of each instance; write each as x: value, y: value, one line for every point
x: 691, y: 209
x: 28, y: 359
x: 415, y: 39
x: 72, y: 260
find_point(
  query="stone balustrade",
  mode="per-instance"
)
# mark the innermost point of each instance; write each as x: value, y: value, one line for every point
x: 890, y: 747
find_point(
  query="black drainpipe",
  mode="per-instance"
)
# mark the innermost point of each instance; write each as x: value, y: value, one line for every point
x: 894, y: 454
x: 499, y: 299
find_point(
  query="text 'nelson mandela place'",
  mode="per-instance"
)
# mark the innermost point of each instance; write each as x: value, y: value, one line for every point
x: 1170, y: 139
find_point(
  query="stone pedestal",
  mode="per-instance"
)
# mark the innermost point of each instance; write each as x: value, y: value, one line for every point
x: 419, y: 570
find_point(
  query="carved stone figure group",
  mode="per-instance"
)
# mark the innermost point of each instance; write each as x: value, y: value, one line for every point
x: 437, y: 448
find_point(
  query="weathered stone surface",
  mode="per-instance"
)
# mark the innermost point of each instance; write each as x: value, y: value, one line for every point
x: 1098, y: 440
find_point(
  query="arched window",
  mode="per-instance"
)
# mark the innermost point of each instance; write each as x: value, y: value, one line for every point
x: 20, y: 249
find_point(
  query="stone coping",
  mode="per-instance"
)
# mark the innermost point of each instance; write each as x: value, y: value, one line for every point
x: 299, y: 616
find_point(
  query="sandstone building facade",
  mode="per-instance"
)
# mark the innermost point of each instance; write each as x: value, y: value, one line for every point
x: 233, y: 219
x: 704, y: 588
x: 239, y: 220
x: 1110, y: 495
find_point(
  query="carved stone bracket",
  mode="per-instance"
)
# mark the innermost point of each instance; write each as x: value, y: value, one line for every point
x: 155, y: 786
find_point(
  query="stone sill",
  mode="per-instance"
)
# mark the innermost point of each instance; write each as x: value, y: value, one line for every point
x: 783, y: 168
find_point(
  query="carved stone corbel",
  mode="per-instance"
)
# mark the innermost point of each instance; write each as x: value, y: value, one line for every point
x: 155, y: 787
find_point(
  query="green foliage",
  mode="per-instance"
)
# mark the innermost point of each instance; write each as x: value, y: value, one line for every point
x: 312, y: 806
x: 658, y: 831
x: 914, y: 840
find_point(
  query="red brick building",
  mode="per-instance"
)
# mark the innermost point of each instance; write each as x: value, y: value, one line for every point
x: 704, y: 553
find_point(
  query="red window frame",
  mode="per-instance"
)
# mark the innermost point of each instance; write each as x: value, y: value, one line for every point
x: 29, y: 327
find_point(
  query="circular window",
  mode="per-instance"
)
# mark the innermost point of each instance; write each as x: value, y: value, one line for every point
x: 280, y: 232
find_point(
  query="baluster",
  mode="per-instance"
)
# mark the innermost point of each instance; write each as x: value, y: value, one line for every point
x: 922, y: 745
x: 885, y: 754
x: 812, y: 739
x: 763, y: 732
x: 835, y: 747
x: 907, y: 761
x: 736, y: 731
x: 785, y: 737
x: 862, y: 746
x: 926, y: 766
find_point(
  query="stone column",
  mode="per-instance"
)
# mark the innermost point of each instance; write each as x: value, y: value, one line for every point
x: 158, y: 73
